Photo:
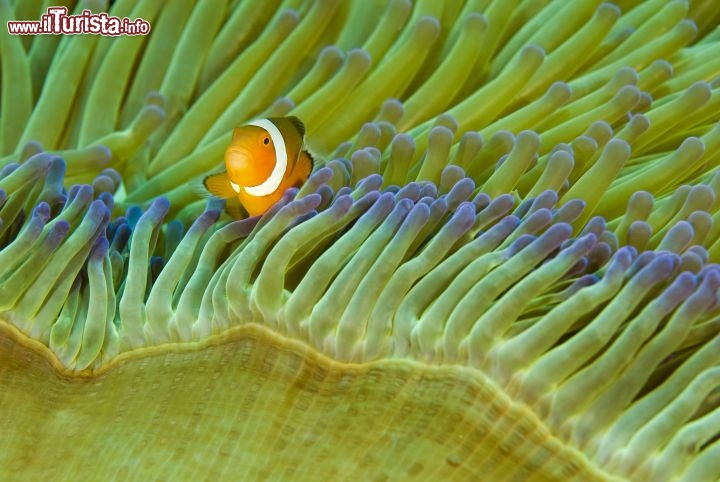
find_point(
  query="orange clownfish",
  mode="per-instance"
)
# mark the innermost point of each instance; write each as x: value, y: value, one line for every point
x: 264, y: 159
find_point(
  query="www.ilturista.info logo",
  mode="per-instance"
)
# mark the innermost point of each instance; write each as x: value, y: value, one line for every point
x: 57, y: 22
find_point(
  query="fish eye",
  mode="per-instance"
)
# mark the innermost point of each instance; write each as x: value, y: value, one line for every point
x: 266, y: 141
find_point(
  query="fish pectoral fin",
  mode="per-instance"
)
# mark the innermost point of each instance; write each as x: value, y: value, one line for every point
x: 198, y: 188
x: 219, y: 185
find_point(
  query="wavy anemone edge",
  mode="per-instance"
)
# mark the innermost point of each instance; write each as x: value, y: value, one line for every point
x: 568, y: 463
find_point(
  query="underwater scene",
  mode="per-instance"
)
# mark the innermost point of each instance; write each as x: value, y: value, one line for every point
x: 360, y: 240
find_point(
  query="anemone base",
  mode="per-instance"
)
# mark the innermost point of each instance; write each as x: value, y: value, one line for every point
x: 250, y: 405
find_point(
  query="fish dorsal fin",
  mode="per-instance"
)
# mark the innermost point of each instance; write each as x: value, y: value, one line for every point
x: 298, y: 124
x: 219, y: 185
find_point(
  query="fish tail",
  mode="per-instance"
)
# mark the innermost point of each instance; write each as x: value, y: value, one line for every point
x: 306, y: 164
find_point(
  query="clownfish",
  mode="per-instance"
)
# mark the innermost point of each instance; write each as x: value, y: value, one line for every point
x: 263, y: 160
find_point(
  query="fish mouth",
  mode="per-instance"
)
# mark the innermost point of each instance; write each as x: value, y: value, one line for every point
x: 242, y: 168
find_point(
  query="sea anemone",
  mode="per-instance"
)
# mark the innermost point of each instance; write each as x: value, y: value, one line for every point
x: 502, y: 267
